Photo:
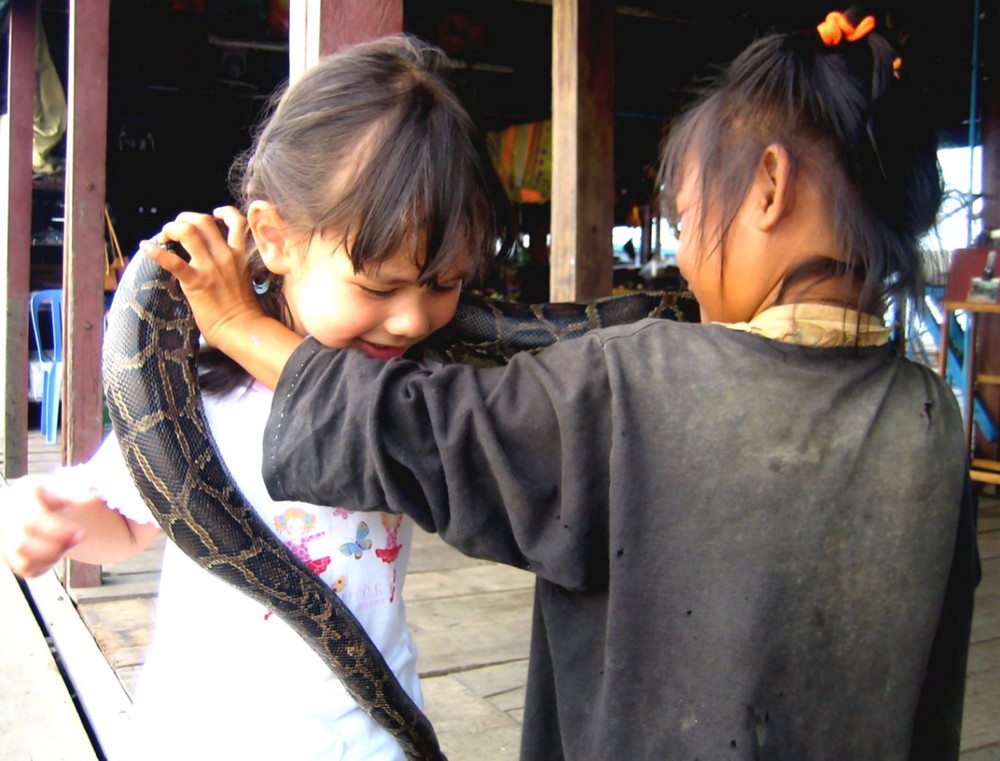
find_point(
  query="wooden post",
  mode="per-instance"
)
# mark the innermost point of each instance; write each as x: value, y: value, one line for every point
x: 319, y: 27
x: 83, y: 270
x: 583, y: 190
x: 15, y: 232
x: 990, y: 329
x: 989, y: 324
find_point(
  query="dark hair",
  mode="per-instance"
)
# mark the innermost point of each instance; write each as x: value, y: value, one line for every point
x: 842, y: 109
x: 373, y: 144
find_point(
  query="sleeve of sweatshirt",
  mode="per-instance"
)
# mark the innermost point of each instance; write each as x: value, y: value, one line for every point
x: 509, y: 464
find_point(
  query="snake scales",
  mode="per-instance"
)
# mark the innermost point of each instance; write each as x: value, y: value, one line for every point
x: 150, y: 378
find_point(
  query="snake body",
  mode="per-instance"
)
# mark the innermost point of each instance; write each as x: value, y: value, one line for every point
x: 488, y: 332
x: 151, y: 386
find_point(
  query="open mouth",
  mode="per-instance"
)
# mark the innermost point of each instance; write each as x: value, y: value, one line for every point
x: 380, y: 351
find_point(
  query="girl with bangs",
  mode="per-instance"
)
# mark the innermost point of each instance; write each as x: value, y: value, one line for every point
x: 365, y: 203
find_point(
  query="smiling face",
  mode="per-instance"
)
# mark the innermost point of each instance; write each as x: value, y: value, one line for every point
x: 382, y: 310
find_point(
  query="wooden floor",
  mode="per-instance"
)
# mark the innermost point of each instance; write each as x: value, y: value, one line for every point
x: 471, y: 622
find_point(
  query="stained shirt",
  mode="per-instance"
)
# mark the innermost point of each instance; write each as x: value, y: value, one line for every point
x: 744, y: 547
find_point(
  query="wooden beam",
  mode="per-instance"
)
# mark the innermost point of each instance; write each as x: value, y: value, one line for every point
x: 319, y: 27
x: 83, y: 273
x: 84, y: 264
x: 583, y: 184
x: 15, y: 232
x: 989, y: 324
x: 987, y: 70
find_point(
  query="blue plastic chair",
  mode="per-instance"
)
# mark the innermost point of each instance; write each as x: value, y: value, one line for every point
x: 46, y: 315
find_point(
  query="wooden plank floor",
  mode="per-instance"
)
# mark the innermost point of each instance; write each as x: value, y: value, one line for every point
x: 35, y: 695
x: 470, y: 620
x: 471, y: 623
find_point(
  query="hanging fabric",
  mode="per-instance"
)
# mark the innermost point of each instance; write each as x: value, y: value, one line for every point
x: 522, y: 155
x: 114, y: 261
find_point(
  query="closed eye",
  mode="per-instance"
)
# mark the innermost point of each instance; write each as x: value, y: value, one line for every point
x: 446, y: 287
x: 376, y: 293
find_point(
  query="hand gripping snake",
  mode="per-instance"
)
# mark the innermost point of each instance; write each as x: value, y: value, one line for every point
x: 151, y: 385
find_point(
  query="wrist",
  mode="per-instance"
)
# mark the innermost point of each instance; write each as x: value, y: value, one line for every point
x: 261, y: 344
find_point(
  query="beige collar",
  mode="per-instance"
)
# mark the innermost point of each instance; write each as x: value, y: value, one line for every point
x: 816, y: 325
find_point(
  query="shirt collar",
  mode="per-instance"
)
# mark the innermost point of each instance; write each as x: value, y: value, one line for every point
x: 815, y: 325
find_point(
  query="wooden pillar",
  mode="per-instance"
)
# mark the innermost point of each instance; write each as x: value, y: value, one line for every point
x: 583, y: 191
x: 319, y: 27
x: 989, y: 324
x: 15, y: 232
x: 84, y: 259
x: 989, y: 96
x: 83, y: 273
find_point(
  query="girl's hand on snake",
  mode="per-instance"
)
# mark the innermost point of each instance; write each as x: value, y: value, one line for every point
x: 214, y: 279
x: 34, y: 535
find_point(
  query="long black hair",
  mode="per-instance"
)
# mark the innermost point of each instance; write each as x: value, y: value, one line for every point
x: 850, y: 112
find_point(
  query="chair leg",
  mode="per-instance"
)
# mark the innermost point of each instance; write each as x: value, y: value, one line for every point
x: 43, y: 419
x: 46, y: 408
x: 56, y: 403
x: 51, y: 401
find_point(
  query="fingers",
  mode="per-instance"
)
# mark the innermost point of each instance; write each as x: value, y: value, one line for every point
x: 171, y: 261
x: 190, y: 226
x: 214, y: 278
x: 198, y: 234
x: 40, y: 546
x: 33, y: 534
x: 206, y: 255
x: 236, y: 223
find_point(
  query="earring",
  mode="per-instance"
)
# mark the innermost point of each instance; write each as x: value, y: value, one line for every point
x: 260, y: 288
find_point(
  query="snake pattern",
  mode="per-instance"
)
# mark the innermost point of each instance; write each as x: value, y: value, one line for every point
x: 151, y: 386
x: 488, y: 332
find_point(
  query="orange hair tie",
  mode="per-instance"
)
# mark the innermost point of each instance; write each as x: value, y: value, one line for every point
x: 835, y: 27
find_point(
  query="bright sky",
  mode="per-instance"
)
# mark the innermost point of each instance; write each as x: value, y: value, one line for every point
x: 954, y: 225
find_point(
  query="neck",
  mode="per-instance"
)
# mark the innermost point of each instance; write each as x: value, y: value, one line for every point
x: 821, y: 280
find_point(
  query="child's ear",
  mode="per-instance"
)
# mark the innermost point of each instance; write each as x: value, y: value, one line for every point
x: 272, y: 236
x: 775, y: 185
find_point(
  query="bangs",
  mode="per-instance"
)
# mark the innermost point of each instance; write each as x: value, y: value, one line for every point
x: 417, y: 182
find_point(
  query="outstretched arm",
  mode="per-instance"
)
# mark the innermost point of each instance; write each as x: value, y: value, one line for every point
x: 46, y: 518
x: 220, y: 293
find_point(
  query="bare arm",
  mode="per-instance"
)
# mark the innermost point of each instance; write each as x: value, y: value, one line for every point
x: 219, y: 291
x: 43, y: 519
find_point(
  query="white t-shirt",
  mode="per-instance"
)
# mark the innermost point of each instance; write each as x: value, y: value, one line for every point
x: 226, y: 678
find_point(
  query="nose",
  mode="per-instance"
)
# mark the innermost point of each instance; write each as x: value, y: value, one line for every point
x: 412, y: 317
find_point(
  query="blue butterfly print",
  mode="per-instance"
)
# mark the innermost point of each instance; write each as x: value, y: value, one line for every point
x: 360, y: 544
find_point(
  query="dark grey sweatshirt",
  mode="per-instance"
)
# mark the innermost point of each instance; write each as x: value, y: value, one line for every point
x: 745, y: 549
